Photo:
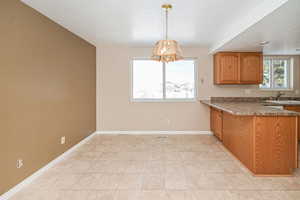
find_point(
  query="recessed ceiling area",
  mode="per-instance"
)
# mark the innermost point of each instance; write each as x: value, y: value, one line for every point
x: 280, y: 29
x: 139, y: 23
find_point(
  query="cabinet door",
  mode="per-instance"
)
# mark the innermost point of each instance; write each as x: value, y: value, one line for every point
x: 296, y: 109
x: 292, y: 108
x: 212, y: 120
x: 219, y: 125
x: 237, y: 137
x: 227, y: 68
x: 216, y: 122
x: 251, y: 69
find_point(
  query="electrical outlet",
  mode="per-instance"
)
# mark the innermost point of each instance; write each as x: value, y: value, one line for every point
x: 19, y: 163
x: 63, y: 140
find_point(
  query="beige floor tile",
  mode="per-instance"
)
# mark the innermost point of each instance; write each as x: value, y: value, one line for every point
x: 153, y: 182
x: 65, y: 165
x: 215, y: 155
x: 107, y: 166
x: 154, y: 167
x: 108, y: 148
x: 203, y: 166
x: 229, y: 166
x: 172, y: 148
x: 44, y: 182
x: 74, y: 195
x: 137, y: 156
x: 133, y: 166
x: 181, y: 195
x: 85, y: 155
x: 269, y: 183
x: 291, y: 183
x: 102, y: 195
x: 80, y: 166
x: 67, y: 181
x: 29, y: 194
x: 85, y: 182
x: 273, y: 195
x: 203, y: 147
x: 241, y: 182
x: 173, y: 156
x: 106, y: 181
x: 245, y: 195
x: 130, y: 182
x: 86, y: 148
x: 153, y: 195
x: 293, y: 195
x: 213, y: 195
x: 157, y: 155
x: 175, y: 182
x: 127, y: 195
x: 191, y: 156
x: 209, y: 181
x: 110, y: 156
x: 172, y: 167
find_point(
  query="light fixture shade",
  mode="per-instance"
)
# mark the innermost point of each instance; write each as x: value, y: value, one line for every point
x: 167, y: 51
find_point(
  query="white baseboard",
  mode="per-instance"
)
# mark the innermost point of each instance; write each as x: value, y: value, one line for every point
x: 38, y: 173
x: 155, y: 132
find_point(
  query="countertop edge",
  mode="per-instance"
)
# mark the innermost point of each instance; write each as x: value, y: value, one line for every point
x: 287, y: 113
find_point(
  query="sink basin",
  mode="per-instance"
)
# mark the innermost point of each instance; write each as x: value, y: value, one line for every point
x: 292, y: 102
x: 277, y: 107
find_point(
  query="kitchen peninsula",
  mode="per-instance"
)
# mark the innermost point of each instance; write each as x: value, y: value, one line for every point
x: 261, y: 135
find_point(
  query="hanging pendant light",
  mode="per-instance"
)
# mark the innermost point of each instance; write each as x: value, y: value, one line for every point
x: 167, y: 50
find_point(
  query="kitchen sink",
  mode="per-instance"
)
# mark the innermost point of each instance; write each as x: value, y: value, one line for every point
x: 277, y: 107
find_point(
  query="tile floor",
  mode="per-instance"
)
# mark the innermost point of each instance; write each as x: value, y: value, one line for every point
x: 137, y: 167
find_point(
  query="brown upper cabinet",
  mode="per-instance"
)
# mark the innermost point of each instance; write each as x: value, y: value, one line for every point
x: 238, y: 68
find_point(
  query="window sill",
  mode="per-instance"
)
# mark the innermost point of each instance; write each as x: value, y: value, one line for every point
x: 276, y: 90
x: 163, y: 100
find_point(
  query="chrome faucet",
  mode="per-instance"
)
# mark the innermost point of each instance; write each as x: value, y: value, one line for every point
x: 279, y: 94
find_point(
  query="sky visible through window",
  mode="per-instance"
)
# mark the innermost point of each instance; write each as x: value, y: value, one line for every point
x: 149, y: 81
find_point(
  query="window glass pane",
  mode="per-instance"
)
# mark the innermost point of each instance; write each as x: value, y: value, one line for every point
x: 280, y: 73
x: 277, y: 73
x: 267, y: 74
x: 147, y: 79
x: 180, y: 79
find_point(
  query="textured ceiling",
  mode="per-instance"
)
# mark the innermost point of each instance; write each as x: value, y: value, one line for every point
x: 205, y: 23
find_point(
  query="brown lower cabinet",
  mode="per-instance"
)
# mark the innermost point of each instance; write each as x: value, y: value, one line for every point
x: 296, y: 109
x: 216, y: 122
x: 266, y: 145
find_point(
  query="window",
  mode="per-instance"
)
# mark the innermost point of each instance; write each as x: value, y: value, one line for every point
x: 152, y: 80
x: 277, y: 74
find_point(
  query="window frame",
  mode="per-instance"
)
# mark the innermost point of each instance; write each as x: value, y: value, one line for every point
x: 164, y: 99
x: 290, y: 72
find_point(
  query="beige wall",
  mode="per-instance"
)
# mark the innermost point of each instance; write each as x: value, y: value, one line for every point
x: 117, y: 112
x: 47, y: 87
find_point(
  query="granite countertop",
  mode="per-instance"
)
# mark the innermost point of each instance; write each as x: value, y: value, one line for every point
x: 249, y: 108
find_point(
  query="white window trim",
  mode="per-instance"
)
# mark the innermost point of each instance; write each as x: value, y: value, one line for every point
x: 290, y: 71
x: 164, y: 86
